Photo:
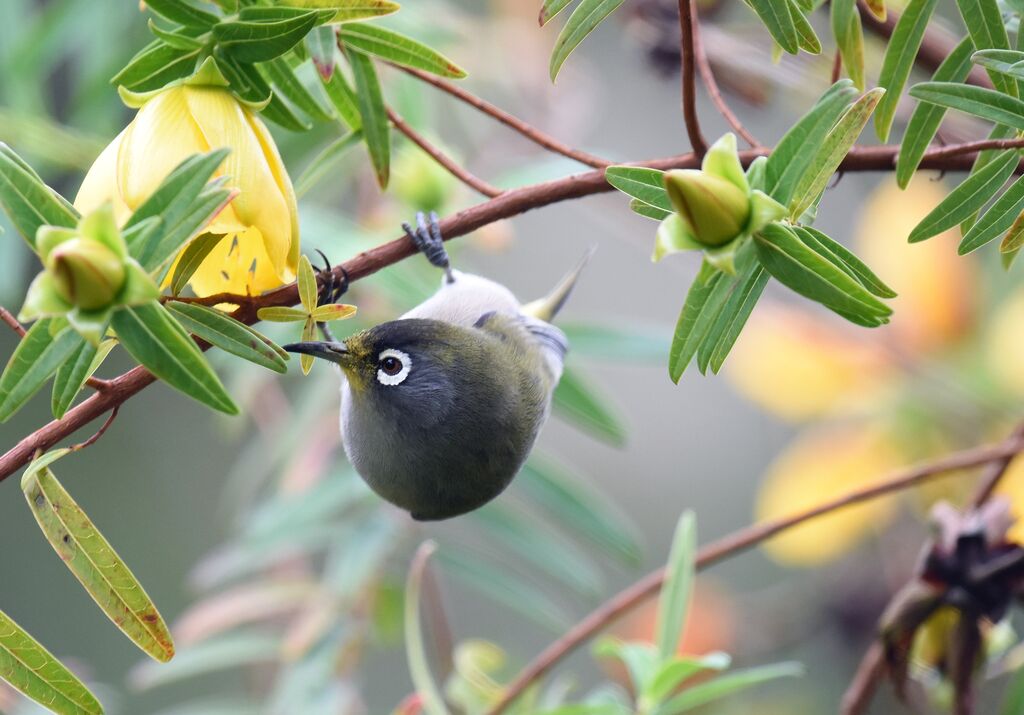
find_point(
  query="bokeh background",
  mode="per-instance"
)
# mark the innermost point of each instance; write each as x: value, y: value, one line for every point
x: 209, y: 512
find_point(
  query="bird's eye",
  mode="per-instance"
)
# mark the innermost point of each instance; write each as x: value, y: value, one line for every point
x: 393, y: 367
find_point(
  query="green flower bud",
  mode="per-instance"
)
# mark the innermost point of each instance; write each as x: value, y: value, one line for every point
x: 86, y: 273
x: 716, y: 210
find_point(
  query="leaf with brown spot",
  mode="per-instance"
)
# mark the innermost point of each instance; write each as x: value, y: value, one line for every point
x: 94, y: 563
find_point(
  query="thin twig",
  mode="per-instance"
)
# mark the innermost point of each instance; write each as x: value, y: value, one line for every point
x: 865, y: 681
x: 686, y: 24
x: 99, y: 433
x: 15, y: 325
x: 738, y: 542
x: 527, y: 130
x: 837, y: 67
x: 463, y: 175
x: 711, y: 85
x: 994, y: 473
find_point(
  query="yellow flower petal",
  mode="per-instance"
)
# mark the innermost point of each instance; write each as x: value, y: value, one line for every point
x: 797, y: 367
x: 817, y: 467
x: 934, y: 307
x: 284, y: 183
x: 238, y: 264
x: 1012, y: 487
x: 100, y: 184
x: 260, y: 203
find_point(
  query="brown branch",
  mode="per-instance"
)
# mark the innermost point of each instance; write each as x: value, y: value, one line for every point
x: 7, y: 317
x: 527, y: 130
x: 463, y: 175
x: 100, y: 432
x: 686, y: 25
x: 995, y: 472
x: 711, y: 85
x: 738, y: 542
x: 862, y: 689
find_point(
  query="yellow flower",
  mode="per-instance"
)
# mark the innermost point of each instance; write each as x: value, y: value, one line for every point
x: 820, y: 466
x: 260, y: 248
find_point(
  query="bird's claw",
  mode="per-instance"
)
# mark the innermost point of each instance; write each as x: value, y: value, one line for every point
x: 331, y: 290
x: 429, y: 241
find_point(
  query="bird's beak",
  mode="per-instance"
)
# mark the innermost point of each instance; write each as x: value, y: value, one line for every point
x: 334, y: 352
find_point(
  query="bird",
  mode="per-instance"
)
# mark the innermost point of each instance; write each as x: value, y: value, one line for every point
x: 441, y: 407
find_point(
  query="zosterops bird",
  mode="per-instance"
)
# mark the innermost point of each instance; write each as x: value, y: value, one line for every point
x: 440, y: 408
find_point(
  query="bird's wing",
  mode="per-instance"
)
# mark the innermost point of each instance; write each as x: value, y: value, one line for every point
x: 538, y: 337
x: 465, y: 299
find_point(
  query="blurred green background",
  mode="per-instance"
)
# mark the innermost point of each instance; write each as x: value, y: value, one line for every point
x: 170, y: 483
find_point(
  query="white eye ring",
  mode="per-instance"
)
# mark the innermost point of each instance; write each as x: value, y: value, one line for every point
x: 399, y: 377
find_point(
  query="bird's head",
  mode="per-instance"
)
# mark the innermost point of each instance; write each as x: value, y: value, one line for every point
x: 400, y: 363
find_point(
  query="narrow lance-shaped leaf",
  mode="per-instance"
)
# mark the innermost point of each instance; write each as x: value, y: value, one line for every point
x: 157, y: 341
x: 228, y: 334
x: 416, y: 652
x: 728, y: 684
x: 583, y: 20
x: 95, y: 564
x: 322, y: 43
x: 743, y: 296
x: 984, y: 23
x: 376, y: 128
x: 646, y: 185
x: 400, y: 49
x: 323, y: 162
x: 182, y: 13
x: 844, y: 259
x: 899, y: 59
x: 972, y: 193
x: 808, y: 39
x: 832, y: 151
x: 344, y: 99
x: 27, y: 200
x: 32, y: 670
x: 78, y: 368
x: 982, y: 102
x: 677, y: 590
x: 693, y: 322
x: 550, y: 9
x: 776, y: 16
x: 278, y: 72
x: 262, y: 41
x: 192, y: 257
x: 997, y: 220
x: 926, y: 118
x: 846, y: 27
x: 348, y: 10
x: 37, y: 357
x: 154, y: 66
x: 578, y: 401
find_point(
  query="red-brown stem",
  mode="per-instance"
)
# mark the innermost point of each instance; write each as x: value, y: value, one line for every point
x: 100, y: 432
x: 738, y: 542
x: 463, y: 175
x: 7, y: 317
x: 686, y: 22
x: 515, y: 123
x: 837, y: 67
x: 708, y: 77
x: 865, y: 681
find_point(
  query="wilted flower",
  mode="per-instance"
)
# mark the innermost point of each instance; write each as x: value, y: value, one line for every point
x: 88, y: 273
x: 714, y: 206
x: 260, y: 248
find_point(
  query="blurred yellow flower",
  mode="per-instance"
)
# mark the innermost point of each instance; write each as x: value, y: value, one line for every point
x: 818, y: 466
x: 260, y: 248
x: 1005, y: 343
x: 798, y: 367
x: 1012, y: 487
x: 934, y: 306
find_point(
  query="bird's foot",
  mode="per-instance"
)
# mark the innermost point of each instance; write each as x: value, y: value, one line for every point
x: 331, y: 290
x: 428, y: 240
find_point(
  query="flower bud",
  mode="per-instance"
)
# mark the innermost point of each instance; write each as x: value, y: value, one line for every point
x: 716, y: 210
x: 86, y: 273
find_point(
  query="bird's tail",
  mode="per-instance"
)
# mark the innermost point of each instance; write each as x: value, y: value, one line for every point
x: 547, y: 308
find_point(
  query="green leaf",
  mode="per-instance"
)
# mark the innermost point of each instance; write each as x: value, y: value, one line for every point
x: 640, y: 658
x: 808, y: 39
x: 183, y: 13
x: 279, y: 73
x: 95, y: 564
x: 583, y: 20
x: 789, y: 160
x: 926, y: 118
x: 376, y: 128
x: 843, y: 258
x: 344, y: 99
x: 647, y: 211
x: 899, y: 59
x: 248, y: 41
x: 348, y: 10
x: 71, y: 376
x: 550, y: 9
x: 228, y: 334
x: 415, y: 650
x: 29, y: 202
x: 281, y: 314
x: 846, y: 27
x: 37, y: 357
x: 831, y: 152
x: 980, y: 101
x: 1013, y: 240
x: 192, y: 257
x: 728, y: 684
x: 1006, y: 62
x: 307, y: 284
x: 576, y: 507
x: 744, y: 292
x: 972, y: 193
x: 801, y: 269
x: 694, y: 320
x: 673, y: 672
x: 577, y: 400
x: 680, y: 573
x: 997, y: 220
x: 179, y: 39
x: 645, y: 185
x: 31, y: 669
x: 321, y: 43
x: 158, y: 342
x: 156, y: 65
x: 397, y: 48
x: 248, y: 83
x: 323, y: 162
x: 984, y: 22
x: 776, y: 16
